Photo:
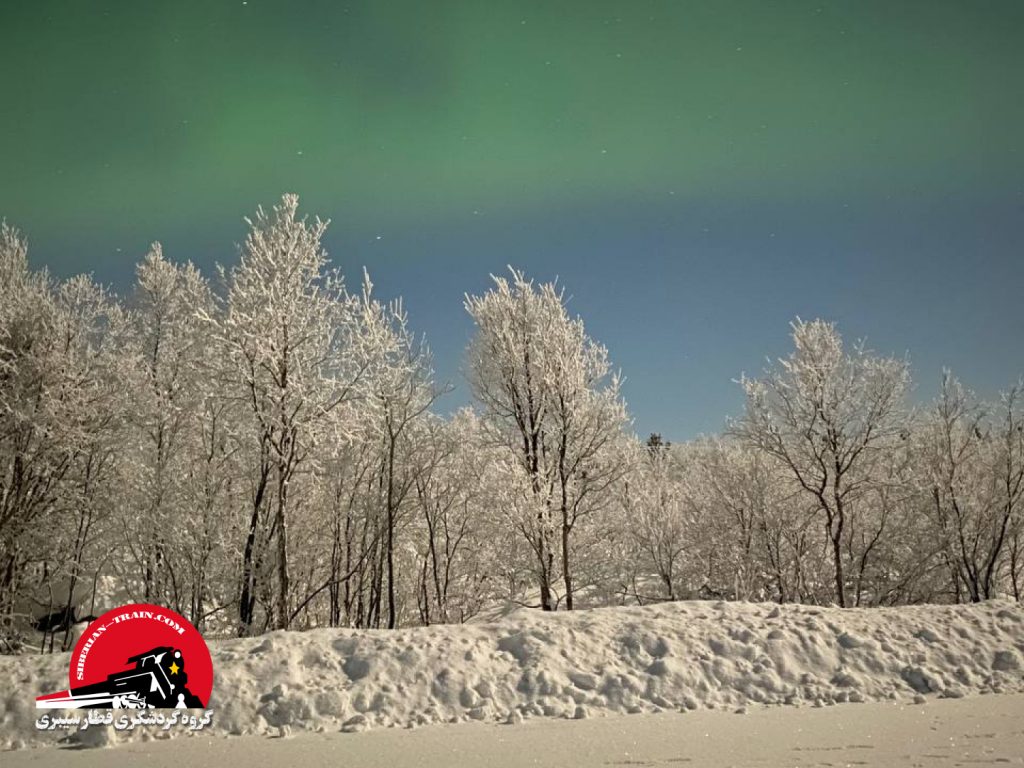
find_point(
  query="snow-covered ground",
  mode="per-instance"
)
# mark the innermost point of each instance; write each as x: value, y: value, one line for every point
x: 674, y: 656
x: 976, y: 731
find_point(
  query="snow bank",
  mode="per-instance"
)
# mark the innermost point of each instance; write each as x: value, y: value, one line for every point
x: 575, y: 665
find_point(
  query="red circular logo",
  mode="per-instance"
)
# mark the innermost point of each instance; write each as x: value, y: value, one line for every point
x: 138, y: 656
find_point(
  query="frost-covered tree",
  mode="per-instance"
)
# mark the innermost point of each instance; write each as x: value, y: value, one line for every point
x: 266, y: 453
x: 1010, y: 471
x: 58, y: 419
x: 172, y: 432
x: 752, y: 526
x: 293, y: 353
x: 398, y: 388
x: 971, y: 459
x: 458, y: 551
x: 90, y: 329
x: 32, y: 416
x: 832, y: 417
x: 658, y: 518
x: 76, y: 390
x: 549, y: 395
x: 402, y: 390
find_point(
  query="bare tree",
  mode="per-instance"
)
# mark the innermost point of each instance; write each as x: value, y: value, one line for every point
x: 400, y: 392
x: 57, y: 418
x: 831, y: 417
x: 549, y: 395
x: 973, y: 478
x: 294, y: 352
x: 657, y: 515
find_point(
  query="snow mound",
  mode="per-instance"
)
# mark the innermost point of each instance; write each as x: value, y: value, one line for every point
x: 684, y: 656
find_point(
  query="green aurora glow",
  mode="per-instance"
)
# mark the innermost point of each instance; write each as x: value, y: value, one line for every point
x: 171, y: 111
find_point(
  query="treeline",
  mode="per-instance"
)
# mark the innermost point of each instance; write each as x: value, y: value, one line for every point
x: 259, y: 451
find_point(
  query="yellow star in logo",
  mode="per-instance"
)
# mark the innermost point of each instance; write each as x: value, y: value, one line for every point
x: 174, y: 667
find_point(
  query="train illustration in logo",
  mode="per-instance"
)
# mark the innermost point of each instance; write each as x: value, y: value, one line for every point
x: 157, y: 680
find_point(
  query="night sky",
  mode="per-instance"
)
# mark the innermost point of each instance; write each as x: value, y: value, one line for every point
x: 694, y: 173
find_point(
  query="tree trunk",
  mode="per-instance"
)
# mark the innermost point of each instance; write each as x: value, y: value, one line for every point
x: 566, y: 571
x: 835, y: 532
x: 282, y: 550
x: 545, y: 560
x: 391, y: 532
x: 247, y: 600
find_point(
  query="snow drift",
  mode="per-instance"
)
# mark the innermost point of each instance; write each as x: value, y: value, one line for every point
x: 575, y: 665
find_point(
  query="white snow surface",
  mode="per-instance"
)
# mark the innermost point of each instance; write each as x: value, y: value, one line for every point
x: 682, y: 656
x: 981, y: 730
